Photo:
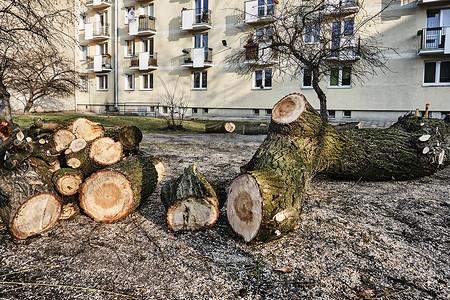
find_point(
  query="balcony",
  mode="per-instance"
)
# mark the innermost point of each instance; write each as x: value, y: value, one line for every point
x: 432, y: 2
x: 96, y: 31
x: 197, y: 58
x: 142, y: 25
x: 258, y: 14
x: 260, y: 54
x: 434, y: 41
x: 341, y: 7
x: 344, y: 54
x: 196, y: 19
x: 144, y: 61
x: 98, y: 4
x: 99, y: 63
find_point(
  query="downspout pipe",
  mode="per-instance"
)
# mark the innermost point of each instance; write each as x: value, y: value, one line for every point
x: 116, y: 61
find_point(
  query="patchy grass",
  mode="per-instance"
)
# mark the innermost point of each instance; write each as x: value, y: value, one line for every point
x: 146, y: 124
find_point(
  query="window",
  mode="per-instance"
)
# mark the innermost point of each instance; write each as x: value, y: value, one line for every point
x: 147, y: 45
x: 102, y: 48
x: 347, y: 113
x: 312, y: 33
x: 147, y: 82
x: 265, y: 8
x: 348, y: 27
x: 129, y: 82
x: 84, y: 83
x: 256, y: 112
x: 205, y: 110
x: 436, y: 73
x: 263, y: 34
x: 340, y: 77
x: 129, y: 14
x: 83, y: 52
x: 194, y: 110
x: 307, y: 78
x: 199, y: 80
x: 332, y: 114
x: 165, y: 110
x: 129, y: 48
x: 147, y: 10
x: 268, y: 112
x: 102, y: 82
x: 263, y: 79
x: 83, y: 21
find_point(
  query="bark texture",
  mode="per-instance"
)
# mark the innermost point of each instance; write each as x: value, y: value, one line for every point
x: 226, y: 127
x: 190, y: 201
x: 253, y: 129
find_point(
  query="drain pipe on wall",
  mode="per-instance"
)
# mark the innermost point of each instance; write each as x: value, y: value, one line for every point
x: 116, y: 61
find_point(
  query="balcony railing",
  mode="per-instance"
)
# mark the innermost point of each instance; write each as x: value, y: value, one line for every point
x: 142, y: 25
x: 96, y: 31
x: 101, y: 30
x: 196, y: 19
x: 255, y: 13
x: 99, y: 63
x: 98, y: 3
x: 197, y: 57
x: 341, y: 7
x: 435, y: 39
x: 144, y: 61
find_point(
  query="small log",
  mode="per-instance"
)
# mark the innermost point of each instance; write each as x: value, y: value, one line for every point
x: 62, y: 139
x: 111, y: 194
x: 226, y: 127
x: 348, y: 126
x: 128, y: 136
x: 46, y: 126
x: 254, y: 129
x: 5, y: 130
x: 86, y: 129
x: 67, y: 181
x: 28, y: 202
x: 190, y: 201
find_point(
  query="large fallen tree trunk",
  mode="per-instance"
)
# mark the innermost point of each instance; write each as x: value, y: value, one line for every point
x: 226, y: 127
x: 28, y: 203
x: 267, y: 199
x: 190, y: 201
x: 111, y: 194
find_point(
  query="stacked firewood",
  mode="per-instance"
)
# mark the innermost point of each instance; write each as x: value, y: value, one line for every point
x: 52, y: 169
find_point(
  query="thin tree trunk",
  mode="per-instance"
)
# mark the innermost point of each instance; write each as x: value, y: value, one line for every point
x: 321, y: 95
x: 5, y: 98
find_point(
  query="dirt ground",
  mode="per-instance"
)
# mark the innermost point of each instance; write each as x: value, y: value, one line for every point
x: 357, y: 240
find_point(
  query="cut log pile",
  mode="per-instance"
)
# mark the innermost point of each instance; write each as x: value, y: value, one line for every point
x: 50, y: 168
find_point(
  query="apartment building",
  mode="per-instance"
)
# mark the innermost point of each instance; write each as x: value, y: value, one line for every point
x: 130, y: 51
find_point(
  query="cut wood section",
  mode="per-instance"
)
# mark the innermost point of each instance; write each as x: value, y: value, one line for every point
x: 226, y: 127
x: 130, y: 137
x: 105, y: 151
x: 87, y: 130
x: 111, y: 194
x: 77, y: 145
x: 73, y: 162
x: 289, y: 109
x: 190, y: 201
x: 28, y: 203
x: 62, y: 138
x: 67, y: 181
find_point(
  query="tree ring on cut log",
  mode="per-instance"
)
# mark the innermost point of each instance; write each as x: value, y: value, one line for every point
x: 192, y: 213
x: 69, y: 184
x: 107, y: 196
x: 36, y: 215
x: 77, y: 145
x: 62, y: 138
x: 86, y: 129
x: 289, y: 109
x: 244, y: 209
x: 74, y: 163
x: 106, y: 151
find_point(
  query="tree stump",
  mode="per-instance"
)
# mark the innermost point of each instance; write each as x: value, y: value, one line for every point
x: 190, y: 201
x: 28, y: 203
x: 128, y: 136
x: 111, y: 194
x: 226, y: 127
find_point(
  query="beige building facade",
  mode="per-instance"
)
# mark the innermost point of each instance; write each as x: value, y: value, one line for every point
x: 130, y: 51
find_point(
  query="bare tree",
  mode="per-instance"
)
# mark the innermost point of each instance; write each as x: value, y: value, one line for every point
x: 177, y: 103
x: 43, y: 73
x: 24, y: 27
x: 314, y: 38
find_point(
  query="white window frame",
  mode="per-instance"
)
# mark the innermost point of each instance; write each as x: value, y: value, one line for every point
x: 340, y: 86
x: 306, y: 87
x: 147, y: 10
x: 84, y: 83
x: 254, y: 87
x: 133, y: 48
x: 437, y: 73
x: 83, y: 52
x: 142, y: 81
x: 127, y: 10
x: 200, y: 88
x: 313, y: 34
x: 127, y: 78
x: 102, y: 80
x: 82, y: 22
x: 102, y: 48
